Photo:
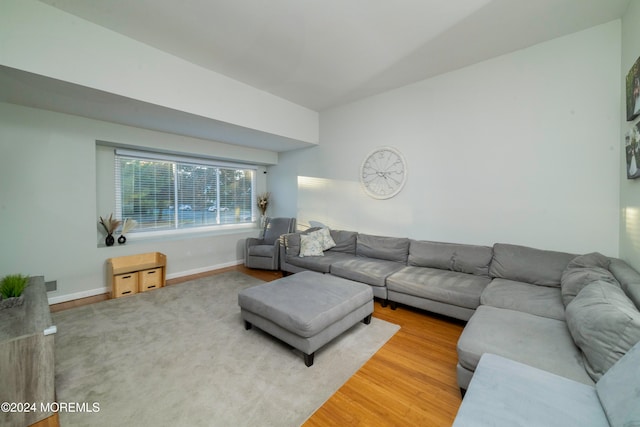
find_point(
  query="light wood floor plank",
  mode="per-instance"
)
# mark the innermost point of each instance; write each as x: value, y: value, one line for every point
x: 410, y: 381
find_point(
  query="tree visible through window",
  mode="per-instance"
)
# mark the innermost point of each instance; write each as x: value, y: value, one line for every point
x: 168, y: 194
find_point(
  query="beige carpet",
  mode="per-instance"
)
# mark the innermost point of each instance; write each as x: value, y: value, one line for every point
x: 180, y: 356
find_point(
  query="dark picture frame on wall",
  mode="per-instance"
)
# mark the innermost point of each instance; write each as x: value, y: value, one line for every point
x: 633, y: 91
x: 632, y: 151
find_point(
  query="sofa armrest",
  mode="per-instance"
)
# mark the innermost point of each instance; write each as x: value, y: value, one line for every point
x: 282, y: 248
x: 290, y: 244
x: 253, y: 241
x: 249, y: 242
x: 506, y: 393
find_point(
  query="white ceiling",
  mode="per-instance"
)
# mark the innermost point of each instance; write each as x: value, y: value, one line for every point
x: 315, y: 53
x: 322, y: 53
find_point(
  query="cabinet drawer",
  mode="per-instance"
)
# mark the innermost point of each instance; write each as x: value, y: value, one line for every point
x: 125, y: 284
x: 150, y: 279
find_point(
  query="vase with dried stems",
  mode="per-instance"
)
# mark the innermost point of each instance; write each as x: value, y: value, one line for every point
x: 127, y: 225
x: 263, y: 204
x: 110, y: 225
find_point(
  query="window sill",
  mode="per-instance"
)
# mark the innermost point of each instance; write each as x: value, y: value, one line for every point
x: 172, y: 235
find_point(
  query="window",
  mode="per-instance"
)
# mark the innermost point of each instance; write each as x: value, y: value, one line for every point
x: 165, y: 193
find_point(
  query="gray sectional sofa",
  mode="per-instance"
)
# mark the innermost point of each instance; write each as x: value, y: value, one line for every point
x: 572, y: 315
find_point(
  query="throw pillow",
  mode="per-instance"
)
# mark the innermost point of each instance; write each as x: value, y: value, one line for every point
x: 605, y: 324
x: 594, y: 259
x: 327, y: 240
x: 311, y: 245
x: 576, y: 278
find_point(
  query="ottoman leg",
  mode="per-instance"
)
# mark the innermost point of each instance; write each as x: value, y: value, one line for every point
x: 367, y: 320
x: 308, y: 359
x: 247, y: 325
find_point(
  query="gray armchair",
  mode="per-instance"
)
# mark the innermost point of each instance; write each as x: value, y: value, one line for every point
x: 264, y: 253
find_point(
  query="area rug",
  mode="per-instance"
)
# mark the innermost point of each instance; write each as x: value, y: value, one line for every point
x: 180, y: 356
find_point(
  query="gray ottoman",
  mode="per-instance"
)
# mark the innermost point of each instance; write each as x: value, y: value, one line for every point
x: 306, y: 310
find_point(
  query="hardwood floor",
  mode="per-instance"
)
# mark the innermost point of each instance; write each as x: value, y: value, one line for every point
x: 410, y: 381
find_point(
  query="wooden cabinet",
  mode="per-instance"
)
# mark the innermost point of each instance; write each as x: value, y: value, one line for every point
x: 27, y: 368
x: 131, y: 274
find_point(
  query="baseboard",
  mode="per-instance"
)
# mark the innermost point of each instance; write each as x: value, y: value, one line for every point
x: 99, y: 291
x: 204, y: 269
x: 78, y: 295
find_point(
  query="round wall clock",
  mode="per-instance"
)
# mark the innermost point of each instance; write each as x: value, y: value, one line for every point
x: 383, y: 173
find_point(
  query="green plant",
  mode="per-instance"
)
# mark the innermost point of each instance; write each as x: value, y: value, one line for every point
x: 13, y: 285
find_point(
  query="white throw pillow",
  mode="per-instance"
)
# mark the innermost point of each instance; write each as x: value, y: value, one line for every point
x: 311, y: 245
x: 327, y: 240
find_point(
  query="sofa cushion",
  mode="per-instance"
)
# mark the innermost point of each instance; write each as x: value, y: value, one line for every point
x: 604, y: 323
x: 628, y: 278
x: 574, y: 279
x: 583, y: 270
x: 534, y: 340
x: 276, y: 227
x: 506, y: 393
x: 262, y: 250
x: 345, y: 241
x: 470, y: 259
x: 530, y: 265
x: 321, y: 264
x: 593, y: 259
x: 380, y: 247
x: 539, y: 300
x: 371, y: 271
x: 445, y: 286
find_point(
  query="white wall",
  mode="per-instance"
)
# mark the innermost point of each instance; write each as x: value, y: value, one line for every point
x: 48, y: 201
x: 629, y: 189
x: 523, y: 148
x: 44, y: 40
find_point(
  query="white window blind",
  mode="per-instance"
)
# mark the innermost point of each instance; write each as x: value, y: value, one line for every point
x: 167, y: 193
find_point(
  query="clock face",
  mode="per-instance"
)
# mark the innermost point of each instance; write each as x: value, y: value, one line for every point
x: 383, y: 173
